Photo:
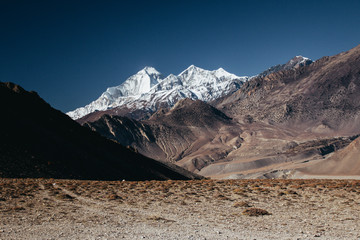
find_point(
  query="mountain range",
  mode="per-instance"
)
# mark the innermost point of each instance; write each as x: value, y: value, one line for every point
x: 147, y: 91
x: 276, y: 124
x: 300, y: 119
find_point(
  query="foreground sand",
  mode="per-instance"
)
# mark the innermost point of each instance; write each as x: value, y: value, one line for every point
x: 207, y: 209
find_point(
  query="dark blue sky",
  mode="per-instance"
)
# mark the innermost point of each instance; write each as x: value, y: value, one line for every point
x: 71, y: 51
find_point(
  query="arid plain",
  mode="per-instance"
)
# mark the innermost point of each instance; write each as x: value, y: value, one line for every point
x: 196, y: 209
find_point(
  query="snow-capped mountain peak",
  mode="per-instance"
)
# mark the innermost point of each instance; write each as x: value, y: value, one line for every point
x: 150, y: 71
x: 190, y: 70
x: 137, y: 84
x: 192, y: 67
x: 223, y: 73
x: 297, y: 61
x: 147, y: 89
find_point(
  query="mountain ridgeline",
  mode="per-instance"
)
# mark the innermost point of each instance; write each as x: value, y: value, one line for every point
x: 188, y: 129
x: 322, y: 97
x: 147, y: 91
x: 276, y: 124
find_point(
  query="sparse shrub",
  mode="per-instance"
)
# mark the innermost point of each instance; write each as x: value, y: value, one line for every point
x: 254, y: 212
x: 17, y: 208
x: 290, y: 192
x: 260, y: 189
x: 221, y: 197
x: 241, y: 204
x: 113, y: 197
x: 64, y: 197
x: 296, y: 186
x: 281, y: 194
x: 155, y: 218
x: 239, y: 191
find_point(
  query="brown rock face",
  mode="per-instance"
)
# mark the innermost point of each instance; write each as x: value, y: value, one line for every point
x: 294, y: 63
x: 322, y: 97
x: 39, y: 141
x: 192, y: 131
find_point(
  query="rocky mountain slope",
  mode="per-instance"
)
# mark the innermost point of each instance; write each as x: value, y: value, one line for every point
x: 322, y: 97
x: 39, y: 141
x: 288, y: 114
x: 287, y: 119
x: 192, y: 131
x: 147, y: 91
x: 345, y: 162
x: 296, y: 62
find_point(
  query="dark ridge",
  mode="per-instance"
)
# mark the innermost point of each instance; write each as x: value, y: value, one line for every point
x: 39, y: 141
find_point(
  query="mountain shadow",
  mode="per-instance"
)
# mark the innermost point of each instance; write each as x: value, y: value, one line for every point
x: 39, y: 141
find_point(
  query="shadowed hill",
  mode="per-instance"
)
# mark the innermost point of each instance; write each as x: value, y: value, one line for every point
x: 39, y: 141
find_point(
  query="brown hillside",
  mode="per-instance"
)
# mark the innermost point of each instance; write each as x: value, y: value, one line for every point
x: 343, y: 162
x: 321, y: 97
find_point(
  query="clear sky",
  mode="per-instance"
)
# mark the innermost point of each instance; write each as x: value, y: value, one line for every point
x: 71, y: 51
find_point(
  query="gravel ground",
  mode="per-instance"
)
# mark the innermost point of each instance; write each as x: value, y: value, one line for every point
x: 206, y: 209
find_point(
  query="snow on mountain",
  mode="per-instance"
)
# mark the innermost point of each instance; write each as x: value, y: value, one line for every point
x: 148, y: 90
x: 298, y: 61
x: 295, y: 62
x: 137, y: 84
